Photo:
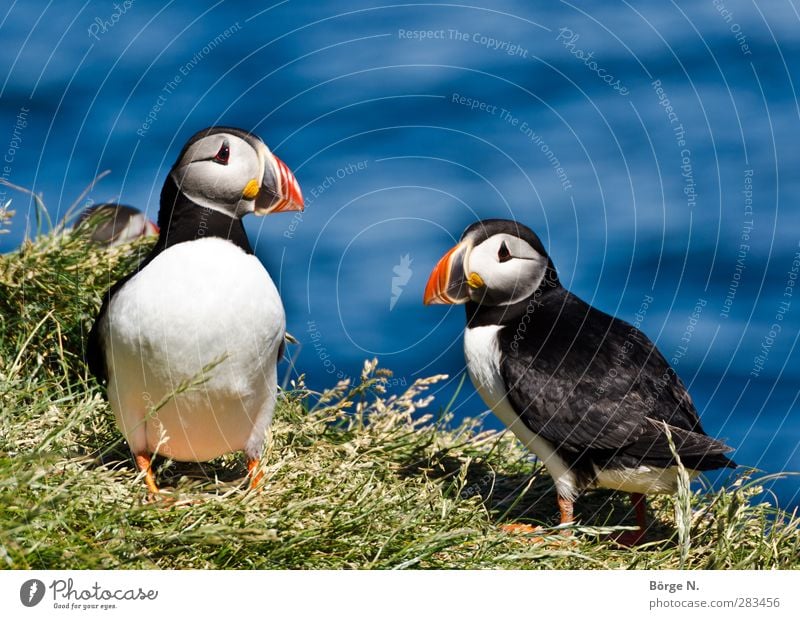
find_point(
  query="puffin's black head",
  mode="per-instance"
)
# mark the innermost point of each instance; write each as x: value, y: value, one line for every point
x: 498, y: 262
x: 231, y: 171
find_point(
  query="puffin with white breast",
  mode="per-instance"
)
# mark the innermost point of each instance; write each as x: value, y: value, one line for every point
x: 189, y: 342
x: 589, y: 394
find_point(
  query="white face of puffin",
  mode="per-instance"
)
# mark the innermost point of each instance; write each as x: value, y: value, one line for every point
x: 500, y: 270
x: 233, y: 176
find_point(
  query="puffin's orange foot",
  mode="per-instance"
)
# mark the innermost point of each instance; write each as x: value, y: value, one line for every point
x: 143, y: 464
x: 163, y: 500
x: 519, y: 529
x: 524, y: 529
x: 255, y: 474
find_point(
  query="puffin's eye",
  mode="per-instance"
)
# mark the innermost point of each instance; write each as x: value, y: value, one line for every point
x: 503, y: 255
x: 223, y: 154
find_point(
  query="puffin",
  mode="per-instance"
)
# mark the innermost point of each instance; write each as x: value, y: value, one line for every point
x: 111, y: 224
x: 188, y: 343
x: 589, y: 394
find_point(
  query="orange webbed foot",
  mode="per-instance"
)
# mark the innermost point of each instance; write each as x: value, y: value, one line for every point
x: 143, y: 463
x: 529, y: 533
x: 524, y: 529
x: 254, y: 473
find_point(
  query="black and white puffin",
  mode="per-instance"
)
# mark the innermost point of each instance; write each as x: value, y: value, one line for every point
x: 200, y: 299
x: 113, y: 224
x: 587, y: 393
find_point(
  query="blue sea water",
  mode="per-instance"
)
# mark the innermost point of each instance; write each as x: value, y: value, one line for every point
x: 653, y: 146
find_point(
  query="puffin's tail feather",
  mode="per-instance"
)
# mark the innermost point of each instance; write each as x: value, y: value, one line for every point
x: 696, y: 450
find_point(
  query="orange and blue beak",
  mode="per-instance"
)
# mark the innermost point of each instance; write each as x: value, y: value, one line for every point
x: 448, y: 281
x: 279, y: 191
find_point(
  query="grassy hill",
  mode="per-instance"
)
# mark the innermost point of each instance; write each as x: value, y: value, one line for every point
x: 354, y: 478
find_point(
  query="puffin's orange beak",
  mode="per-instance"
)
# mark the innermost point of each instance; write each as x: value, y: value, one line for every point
x: 448, y: 283
x: 279, y: 189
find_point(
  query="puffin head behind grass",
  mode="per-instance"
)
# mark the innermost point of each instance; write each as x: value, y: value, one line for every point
x: 111, y: 224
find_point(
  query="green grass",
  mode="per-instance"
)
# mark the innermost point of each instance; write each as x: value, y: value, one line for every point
x: 354, y: 478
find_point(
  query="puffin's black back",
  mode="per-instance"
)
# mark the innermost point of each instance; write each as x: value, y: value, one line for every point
x: 586, y: 380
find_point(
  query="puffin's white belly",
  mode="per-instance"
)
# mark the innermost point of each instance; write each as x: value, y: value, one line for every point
x: 482, y: 352
x: 196, y: 303
x: 642, y: 479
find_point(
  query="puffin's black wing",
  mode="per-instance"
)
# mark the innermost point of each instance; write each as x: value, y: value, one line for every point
x: 588, y: 382
x: 95, y: 357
